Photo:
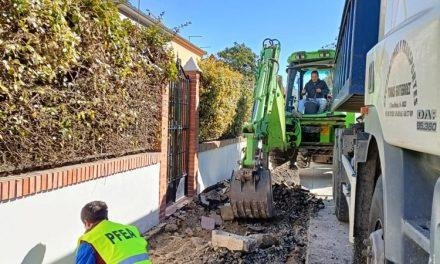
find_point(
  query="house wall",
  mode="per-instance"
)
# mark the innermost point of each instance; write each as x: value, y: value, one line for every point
x: 45, y: 224
x: 217, y: 160
x: 182, y: 49
x: 183, y: 53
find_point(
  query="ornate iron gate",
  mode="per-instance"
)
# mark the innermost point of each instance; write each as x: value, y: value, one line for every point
x: 178, y: 136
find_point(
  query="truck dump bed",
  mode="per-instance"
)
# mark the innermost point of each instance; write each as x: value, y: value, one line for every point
x: 358, y: 34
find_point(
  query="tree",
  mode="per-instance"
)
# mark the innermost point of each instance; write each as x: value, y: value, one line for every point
x: 220, y: 93
x: 241, y: 58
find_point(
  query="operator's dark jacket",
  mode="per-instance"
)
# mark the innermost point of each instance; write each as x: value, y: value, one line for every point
x: 312, y: 86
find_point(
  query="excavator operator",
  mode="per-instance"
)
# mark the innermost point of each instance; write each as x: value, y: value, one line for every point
x: 317, y: 92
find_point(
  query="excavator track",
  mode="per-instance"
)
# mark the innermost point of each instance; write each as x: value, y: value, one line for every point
x: 251, y: 197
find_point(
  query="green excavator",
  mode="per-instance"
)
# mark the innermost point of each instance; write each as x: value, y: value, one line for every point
x: 251, y: 186
x: 277, y: 132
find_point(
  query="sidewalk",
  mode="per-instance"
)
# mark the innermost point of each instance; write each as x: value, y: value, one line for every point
x: 327, y: 237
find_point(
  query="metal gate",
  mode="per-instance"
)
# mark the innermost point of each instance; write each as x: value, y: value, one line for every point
x: 178, y: 137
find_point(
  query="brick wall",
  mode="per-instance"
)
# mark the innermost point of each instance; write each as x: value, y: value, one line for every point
x: 18, y: 186
x: 194, y: 77
x: 210, y: 145
x: 164, y: 154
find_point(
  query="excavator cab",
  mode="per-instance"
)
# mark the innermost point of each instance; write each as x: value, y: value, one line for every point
x: 298, y: 77
x: 311, y: 105
x: 317, y: 129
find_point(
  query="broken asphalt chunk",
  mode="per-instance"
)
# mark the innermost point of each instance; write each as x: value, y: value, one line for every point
x: 226, y: 212
x: 207, y: 223
x: 264, y: 240
x: 217, y: 218
x: 203, y: 201
x: 256, y: 228
x: 155, y: 230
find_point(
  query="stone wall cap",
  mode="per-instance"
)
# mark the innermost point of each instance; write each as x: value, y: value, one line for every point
x: 191, y: 66
x: 210, y: 145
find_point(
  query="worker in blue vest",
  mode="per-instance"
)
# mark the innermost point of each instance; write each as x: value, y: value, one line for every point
x: 109, y: 242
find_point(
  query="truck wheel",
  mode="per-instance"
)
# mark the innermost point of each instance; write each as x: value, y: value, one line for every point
x: 375, y: 245
x: 365, y: 188
x: 341, y: 206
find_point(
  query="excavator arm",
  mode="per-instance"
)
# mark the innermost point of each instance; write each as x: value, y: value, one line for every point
x: 251, y: 187
x: 267, y: 125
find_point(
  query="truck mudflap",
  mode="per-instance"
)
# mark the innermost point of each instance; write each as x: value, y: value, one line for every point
x: 251, y: 194
x: 435, y: 226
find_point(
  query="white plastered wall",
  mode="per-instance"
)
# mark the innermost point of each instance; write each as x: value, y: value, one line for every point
x: 49, y: 223
x: 217, y: 164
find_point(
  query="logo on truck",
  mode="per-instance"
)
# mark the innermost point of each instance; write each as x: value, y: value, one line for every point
x: 401, y: 91
x: 400, y: 96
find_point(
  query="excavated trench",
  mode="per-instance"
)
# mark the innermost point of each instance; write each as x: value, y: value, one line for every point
x: 182, y: 239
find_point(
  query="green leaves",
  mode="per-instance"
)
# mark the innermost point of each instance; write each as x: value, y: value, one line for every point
x: 240, y: 58
x: 77, y: 81
x: 223, y: 100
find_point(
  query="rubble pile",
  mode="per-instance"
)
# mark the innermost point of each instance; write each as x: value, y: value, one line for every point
x: 285, y: 174
x: 200, y: 233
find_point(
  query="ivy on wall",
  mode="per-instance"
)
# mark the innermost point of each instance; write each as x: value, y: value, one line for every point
x: 77, y: 82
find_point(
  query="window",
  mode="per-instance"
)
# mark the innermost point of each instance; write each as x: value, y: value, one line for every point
x: 324, y: 74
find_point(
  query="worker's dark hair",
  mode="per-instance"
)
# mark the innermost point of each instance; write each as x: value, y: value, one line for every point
x: 315, y: 71
x: 94, y: 212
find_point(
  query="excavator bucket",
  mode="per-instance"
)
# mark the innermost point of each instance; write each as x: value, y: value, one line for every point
x: 251, y: 194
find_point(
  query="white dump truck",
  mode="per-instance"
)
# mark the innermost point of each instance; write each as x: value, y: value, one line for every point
x: 387, y: 166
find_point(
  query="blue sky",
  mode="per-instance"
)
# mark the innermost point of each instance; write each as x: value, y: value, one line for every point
x: 298, y: 24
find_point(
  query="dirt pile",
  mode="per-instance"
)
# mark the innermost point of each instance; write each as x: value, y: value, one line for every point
x: 285, y: 174
x: 181, y: 238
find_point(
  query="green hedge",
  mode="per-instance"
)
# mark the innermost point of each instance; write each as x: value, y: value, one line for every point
x: 77, y: 82
x: 225, y: 100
